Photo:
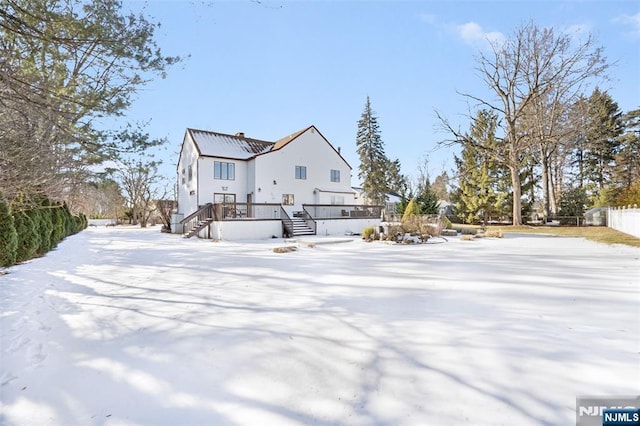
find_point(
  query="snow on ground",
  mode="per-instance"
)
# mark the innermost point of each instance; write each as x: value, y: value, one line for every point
x: 131, y: 326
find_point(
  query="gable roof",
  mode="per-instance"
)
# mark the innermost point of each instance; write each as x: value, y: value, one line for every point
x: 284, y: 141
x: 238, y: 147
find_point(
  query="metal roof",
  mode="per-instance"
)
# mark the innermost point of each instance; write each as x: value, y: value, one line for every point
x: 238, y: 147
x: 212, y: 144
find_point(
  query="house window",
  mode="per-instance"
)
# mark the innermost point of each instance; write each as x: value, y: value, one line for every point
x: 335, y: 175
x: 287, y: 199
x: 301, y: 172
x: 224, y: 171
x: 190, y: 173
x: 184, y: 175
x: 337, y: 199
x: 226, y: 205
x: 219, y: 198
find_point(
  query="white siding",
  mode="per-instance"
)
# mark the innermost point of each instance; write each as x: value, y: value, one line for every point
x: 209, y: 185
x: 244, y: 230
x: 275, y: 173
x: 187, y: 202
x: 344, y: 226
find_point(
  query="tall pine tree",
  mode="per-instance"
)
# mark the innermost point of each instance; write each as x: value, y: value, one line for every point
x: 626, y: 174
x: 373, y: 161
x: 603, y: 126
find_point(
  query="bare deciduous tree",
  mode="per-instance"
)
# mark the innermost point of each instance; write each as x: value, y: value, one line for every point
x: 526, y: 69
x: 139, y: 182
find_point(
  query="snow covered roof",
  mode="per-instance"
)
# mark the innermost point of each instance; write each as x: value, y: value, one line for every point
x: 212, y: 144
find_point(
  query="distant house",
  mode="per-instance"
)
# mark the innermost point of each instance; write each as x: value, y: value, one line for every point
x: 236, y: 187
x: 392, y: 200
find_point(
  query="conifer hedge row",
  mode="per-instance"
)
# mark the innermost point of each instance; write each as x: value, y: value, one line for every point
x: 25, y: 234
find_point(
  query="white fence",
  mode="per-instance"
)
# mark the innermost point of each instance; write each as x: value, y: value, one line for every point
x: 625, y: 220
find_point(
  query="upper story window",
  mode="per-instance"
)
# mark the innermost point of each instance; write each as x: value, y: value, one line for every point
x: 224, y: 171
x: 184, y: 175
x: 335, y: 175
x: 190, y: 173
x: 301, y: 172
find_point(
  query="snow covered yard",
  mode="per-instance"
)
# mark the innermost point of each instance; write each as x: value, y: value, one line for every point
x: 131, y: 326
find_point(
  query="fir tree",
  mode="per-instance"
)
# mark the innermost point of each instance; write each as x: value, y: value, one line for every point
x: 602, y: 129
x: 627, y: 162
x: 397, y: 182
x: 426, y: 198
x: 373, y: 161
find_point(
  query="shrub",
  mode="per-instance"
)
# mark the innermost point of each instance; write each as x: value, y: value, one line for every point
x: 368, y: 233
x: 411, y: 210
x: 77, y: 224
x: 58, y: 226
x: 286, y: 249
x: 68, y: 220
x: 493, y: 233
x: 8, y: 235
x: 45, y: 228
x: 28, y: 239
x: 446, y: 223
x: 36, y: 220
x: 465, y: 230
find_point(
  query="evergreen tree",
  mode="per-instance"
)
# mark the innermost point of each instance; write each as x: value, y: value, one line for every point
x: 602, y: 128
x: 412, y: 210
x: 8, y: 235
x: 480, y: 193
x: 65, y: 64
x: 373, y: 161
x: 627, y: 162
x: 58, y: 226
x: 573, y: 202
x: 426, y: 198
x: 46, y: 228
x: 36, y: 220
x: 68, y: 220
x: 397, y: 182
x: 28, y: 239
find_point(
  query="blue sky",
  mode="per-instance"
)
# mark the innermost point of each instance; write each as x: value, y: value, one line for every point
x: 271, y: 68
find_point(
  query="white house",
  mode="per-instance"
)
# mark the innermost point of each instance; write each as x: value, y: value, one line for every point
x: 235, y: 187
x: 392, y: 200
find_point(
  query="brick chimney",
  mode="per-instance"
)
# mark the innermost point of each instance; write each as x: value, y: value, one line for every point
x: 240, y: 134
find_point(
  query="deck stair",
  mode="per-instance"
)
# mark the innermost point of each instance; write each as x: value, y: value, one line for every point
x: 197, y: 221
x: 300, y: 227
x: 199, y: 226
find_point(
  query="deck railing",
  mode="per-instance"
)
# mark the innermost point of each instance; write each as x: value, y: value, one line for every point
x: 255, y: 211
x: 246, y: 211
x: 309, y: 220
x: 195, y: 219
x: 342, y: 211
x: 287, y: 223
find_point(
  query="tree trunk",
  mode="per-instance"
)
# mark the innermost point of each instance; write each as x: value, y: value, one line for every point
x: 517, y: 195
x: 553, y: 205
x: 545, y: 183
